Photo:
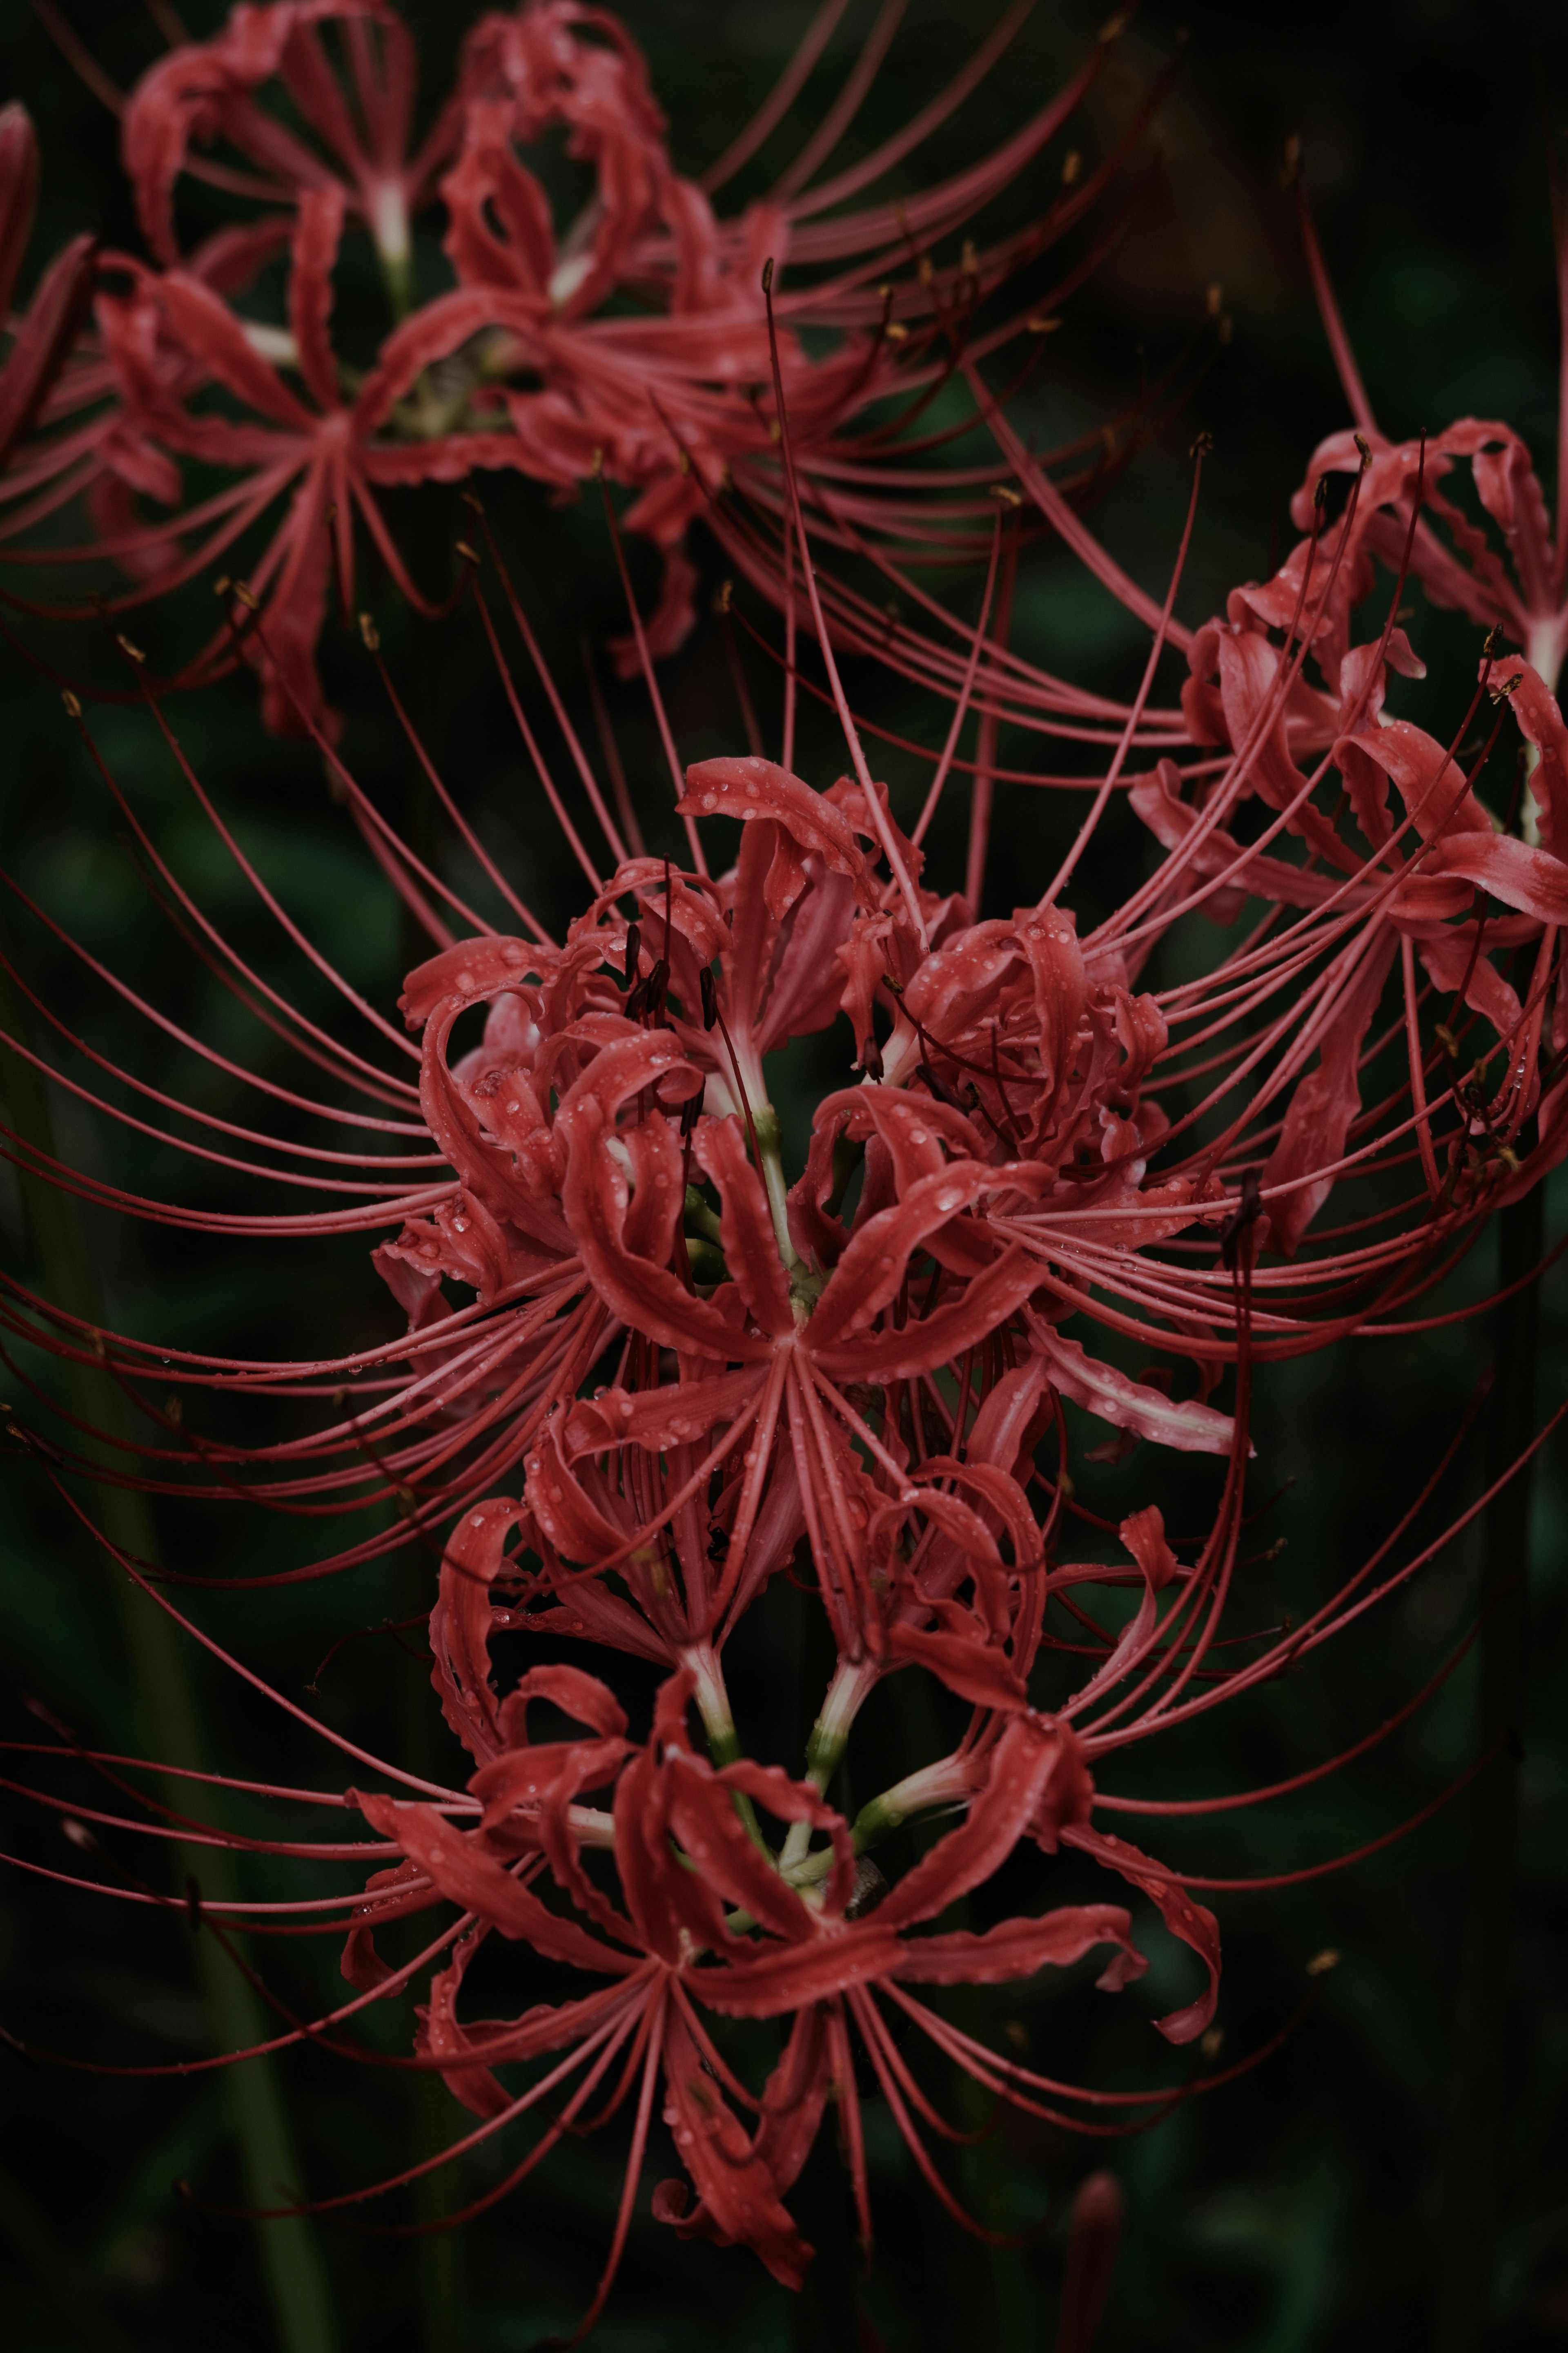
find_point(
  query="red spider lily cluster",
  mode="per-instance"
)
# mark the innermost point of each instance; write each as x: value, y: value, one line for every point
x: 629, y: 343
x: 643, y: 1368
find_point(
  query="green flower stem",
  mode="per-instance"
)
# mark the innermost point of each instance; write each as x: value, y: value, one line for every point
x: 707, y: 1264
x: 397, y: 277
x: 719, y: 1724
x: 942, y: 1784
x: 770, y: 1145
x: 165, y: 1705
x: 846, y: 1694
x: 702, y: 1219
x: 1466, y: 2245
x: 826, y: 1743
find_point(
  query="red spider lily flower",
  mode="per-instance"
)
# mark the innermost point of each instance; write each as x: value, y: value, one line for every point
x: 1474, y: 894
x: 1292, y: 1022
x: 708, y: 1922
x: 330, y: 453
x: 606, y: 1170
x: 1520, y: 588
x: 204, y: 92
x: 667, y: 402
x: 679, y: 1901
x: 668, y: 397
x: 651, y: 1494
x: 620, y: 1074
x: 42, y: 343
x: 1405, y: 882
x: 524, y: 75
x: 727, y: 971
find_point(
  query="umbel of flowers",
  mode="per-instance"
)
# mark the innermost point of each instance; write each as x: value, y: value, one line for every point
x: 630, y: 341
x: 698, y: 1370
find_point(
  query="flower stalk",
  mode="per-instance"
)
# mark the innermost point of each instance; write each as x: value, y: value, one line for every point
x: 165, y: 1705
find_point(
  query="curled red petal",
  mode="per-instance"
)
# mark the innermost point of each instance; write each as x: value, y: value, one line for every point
x: 1192, y: 1922
x: 467, y: 1875
x: 737, y: 2195
x: 1016, y: 1948
x: 461, y: 1624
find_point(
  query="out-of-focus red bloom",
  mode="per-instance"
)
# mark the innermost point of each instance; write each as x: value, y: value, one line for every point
x: 207, y: 91
x: 1091, y: 2254
x: 633, y: 342
x: 1291, y: 686
x: 326, y: 450
x: 42, y: 343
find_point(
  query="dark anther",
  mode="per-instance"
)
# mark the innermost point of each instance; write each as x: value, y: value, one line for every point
x: 710, y: 998
x: 718, y: 1543
x: 872, y: 1057
x: 44, y: 1448
x: 636, y: 1001
x: 658, y: 982
x: 634, y: 949
x: 941, y: 1088
x: 868, y: 1890
x: 690, y: 1111
x: 1248, y: 1211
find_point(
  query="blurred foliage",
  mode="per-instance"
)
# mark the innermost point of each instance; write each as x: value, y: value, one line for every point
x: 1293, y: 2211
